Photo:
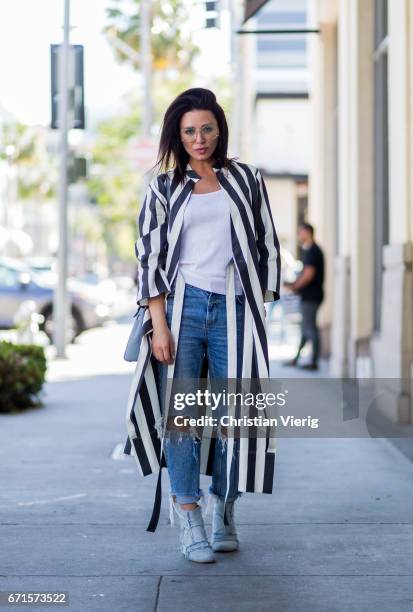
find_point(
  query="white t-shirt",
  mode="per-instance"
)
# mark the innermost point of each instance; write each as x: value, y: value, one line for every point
x: 206, y: 242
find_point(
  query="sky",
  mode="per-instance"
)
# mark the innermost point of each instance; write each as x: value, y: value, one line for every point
x: 29, y: 27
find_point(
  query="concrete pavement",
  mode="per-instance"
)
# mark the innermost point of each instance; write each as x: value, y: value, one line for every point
x: 337, y: 534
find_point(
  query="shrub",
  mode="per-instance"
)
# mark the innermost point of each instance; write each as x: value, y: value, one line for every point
x: 22, y: 374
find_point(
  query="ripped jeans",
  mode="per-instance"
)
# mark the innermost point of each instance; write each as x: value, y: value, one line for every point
x: 203, y: 332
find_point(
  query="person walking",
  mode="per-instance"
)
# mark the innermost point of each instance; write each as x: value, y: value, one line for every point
x: 209, y: 258
x: 309, y: 286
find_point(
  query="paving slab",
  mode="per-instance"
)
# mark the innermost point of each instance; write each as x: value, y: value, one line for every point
x: 89, y: 593
x: 286, y: 594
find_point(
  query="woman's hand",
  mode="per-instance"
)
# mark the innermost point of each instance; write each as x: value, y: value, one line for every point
x: 163, y: 344
x: 162, y: 341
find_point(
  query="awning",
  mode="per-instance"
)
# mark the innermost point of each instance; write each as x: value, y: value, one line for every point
x: 252, y: 7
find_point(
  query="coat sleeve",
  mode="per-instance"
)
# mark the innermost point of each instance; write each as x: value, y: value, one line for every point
x: 268, y: 245
x: 151, y: 248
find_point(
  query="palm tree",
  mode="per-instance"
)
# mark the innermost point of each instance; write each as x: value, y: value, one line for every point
x: 171, y: 48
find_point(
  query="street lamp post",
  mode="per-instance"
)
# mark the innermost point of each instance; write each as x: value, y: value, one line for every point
x: 146, y: 65
x: 237, y: 72
x: 60, y: 305
x: 146, y: 68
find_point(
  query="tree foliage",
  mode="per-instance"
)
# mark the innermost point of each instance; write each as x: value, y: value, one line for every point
x: 172, y: 48
x: 26, y: 149
x: 115, y: 181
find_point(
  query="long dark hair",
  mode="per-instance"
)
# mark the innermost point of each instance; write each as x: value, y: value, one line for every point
x: 170, y: 145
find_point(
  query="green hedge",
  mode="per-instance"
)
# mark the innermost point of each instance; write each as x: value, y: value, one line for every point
x: 22, y: 374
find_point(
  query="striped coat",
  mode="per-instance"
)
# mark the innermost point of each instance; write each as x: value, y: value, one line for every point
x: 256, y: 256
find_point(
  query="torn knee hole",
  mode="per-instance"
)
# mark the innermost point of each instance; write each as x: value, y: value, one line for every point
x: 172, y: 426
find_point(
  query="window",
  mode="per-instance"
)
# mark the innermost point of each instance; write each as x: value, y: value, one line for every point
x: 283, y: 45
x: 381, y: 151
x: 282, y: 51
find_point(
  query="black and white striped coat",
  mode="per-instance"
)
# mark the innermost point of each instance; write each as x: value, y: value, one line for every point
x: 256, y: 256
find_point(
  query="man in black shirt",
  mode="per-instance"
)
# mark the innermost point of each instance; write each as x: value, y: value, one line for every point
x: 309, y: 286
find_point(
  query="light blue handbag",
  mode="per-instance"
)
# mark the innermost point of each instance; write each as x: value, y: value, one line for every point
x: 135, y: 337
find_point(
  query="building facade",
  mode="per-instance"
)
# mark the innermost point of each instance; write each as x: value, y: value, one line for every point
x: 278, y: 111
x: 361, y: 188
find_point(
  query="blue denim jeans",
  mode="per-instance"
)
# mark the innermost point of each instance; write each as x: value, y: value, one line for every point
x: 203, y: 332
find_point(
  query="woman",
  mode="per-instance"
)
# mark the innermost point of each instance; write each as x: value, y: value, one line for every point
x: 209, y: 257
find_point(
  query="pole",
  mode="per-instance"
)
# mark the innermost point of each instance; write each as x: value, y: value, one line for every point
x: 146, y: 67
x: 60, y: 305
x: 237, y: 79
x: 145, y: 24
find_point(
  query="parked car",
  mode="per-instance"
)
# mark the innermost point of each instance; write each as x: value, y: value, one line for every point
x: 117, y: 292
x: 44, y: 268
x: 19, y: 283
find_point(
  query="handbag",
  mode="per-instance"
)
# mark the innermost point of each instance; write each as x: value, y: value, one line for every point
x: 135, y: 336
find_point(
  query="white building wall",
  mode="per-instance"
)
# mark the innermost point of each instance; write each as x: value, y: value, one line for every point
x: 399, y: 121
x: 282, y: 194
x: 390, y: 348
x: 361, y: 186
x: 282, y: 135
x: 323, y: 158
x: 344, y: 126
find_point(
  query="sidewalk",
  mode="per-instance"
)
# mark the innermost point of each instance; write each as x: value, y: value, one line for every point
x: 337, y: 534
